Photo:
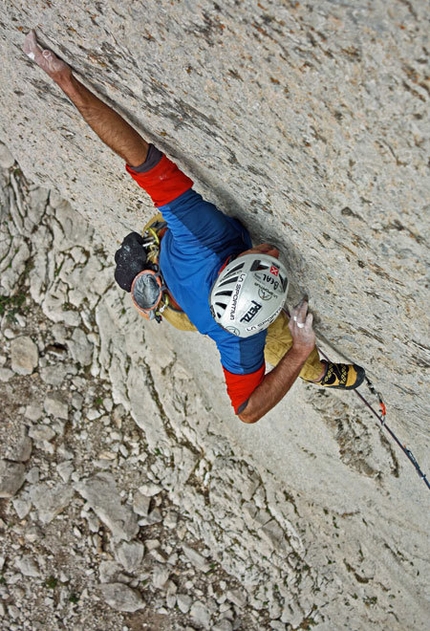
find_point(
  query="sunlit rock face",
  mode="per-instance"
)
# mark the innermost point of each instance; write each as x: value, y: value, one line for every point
x: 309, y: 123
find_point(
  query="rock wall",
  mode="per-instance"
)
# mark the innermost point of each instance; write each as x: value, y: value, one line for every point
x: 310, y: 123
x: 129, y: 497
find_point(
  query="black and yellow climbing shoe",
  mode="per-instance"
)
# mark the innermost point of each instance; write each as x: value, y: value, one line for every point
x: 345, y: 376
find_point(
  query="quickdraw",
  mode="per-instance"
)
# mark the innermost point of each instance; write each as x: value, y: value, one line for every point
x: 381, y: 416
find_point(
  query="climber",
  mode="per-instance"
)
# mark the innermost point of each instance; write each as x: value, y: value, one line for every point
x: 228, y: 289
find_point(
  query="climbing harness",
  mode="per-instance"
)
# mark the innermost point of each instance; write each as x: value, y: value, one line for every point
x: 381, y: 416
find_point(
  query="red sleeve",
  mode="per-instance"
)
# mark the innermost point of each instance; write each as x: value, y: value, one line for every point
x: 163, y: 183
x: 240, y: 387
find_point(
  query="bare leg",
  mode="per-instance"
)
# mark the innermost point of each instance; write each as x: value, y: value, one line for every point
x: 110, y: 127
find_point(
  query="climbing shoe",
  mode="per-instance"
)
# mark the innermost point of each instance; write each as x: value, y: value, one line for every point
x: 346, y: 376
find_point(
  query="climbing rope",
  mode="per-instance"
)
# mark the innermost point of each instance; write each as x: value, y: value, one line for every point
x: 381, y: 416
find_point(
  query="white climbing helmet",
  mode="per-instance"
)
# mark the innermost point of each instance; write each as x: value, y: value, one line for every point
x: 249, y: 294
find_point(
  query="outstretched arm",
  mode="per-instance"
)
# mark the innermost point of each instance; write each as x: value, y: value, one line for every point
x: 111, y: 128
x: 277, y: 382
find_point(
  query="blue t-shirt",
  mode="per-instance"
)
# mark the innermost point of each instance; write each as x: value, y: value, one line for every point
x: 198, y: 242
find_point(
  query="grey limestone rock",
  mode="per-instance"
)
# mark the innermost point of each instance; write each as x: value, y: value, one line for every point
x: 80, y: 347
x: 112, y: 572
x: 56, y: 405
x: 195, y: 558
x: 50, y: 501
x: 6, y: 158
x: 27, y: 566
x: 122, y: 597
x: 41, y: 432
x: 200, y: 615
x: 237, y: 597
x: 184, y: 602
x: 6, y: 374
x: 65, y: 470
x: 130, y: 555
x: 12, y: 477
x: 223, y: 625
x: 22, y: 507
x: 18, y: 446
x: 33, y: 412
x: 160, y: 577
x: 24, y: 355
x: 102, y: 496
x: 55, y: 375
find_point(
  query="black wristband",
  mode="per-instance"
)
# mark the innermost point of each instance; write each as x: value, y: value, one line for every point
x: 152, y: 159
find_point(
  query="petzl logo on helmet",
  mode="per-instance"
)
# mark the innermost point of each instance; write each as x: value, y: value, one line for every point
x: 252, y: 312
